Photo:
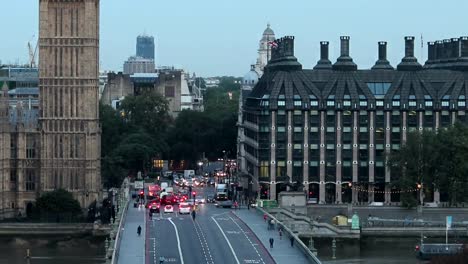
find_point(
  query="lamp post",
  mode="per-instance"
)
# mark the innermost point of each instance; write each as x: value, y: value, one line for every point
x: 200, y: 167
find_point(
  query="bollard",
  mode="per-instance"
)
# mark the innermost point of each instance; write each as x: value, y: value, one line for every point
x: 334, y: 248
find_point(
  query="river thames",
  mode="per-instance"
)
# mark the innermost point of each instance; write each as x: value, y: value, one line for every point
x: 86, y: 250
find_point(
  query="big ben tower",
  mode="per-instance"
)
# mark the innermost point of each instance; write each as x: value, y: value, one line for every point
x: 68, y: 82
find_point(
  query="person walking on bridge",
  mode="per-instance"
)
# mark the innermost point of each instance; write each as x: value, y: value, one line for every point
x: 272, y: 241
x: 139, y: 230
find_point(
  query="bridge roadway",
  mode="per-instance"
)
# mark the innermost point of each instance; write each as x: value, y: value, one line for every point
x: 215, y: 236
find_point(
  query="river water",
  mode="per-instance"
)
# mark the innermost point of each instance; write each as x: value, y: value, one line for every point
x: 374, y: 250
x: 86, y: 250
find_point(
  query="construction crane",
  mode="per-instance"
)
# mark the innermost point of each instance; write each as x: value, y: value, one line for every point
x: 32, y: 53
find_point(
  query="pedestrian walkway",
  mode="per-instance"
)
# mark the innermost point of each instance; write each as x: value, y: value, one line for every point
x: 282, y: 251
x: 132, y: 246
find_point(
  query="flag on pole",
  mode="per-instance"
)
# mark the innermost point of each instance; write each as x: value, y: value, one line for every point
x: 273, y: 44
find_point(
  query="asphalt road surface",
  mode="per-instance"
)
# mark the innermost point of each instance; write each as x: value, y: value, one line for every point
x: 215, y: 236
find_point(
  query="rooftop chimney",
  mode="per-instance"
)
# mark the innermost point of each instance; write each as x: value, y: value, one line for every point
x: 455, y: 49
x: 282, y: 55
x: 439, y: 46
x: 344, y: 62
x: 324, y: 62
x: 464, y: 47
x: 409, y: 62
x: 382, y: 63
x: 431, y: 52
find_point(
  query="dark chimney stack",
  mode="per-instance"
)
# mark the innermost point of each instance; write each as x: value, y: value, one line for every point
x: 344, y: 62
x: 409, y: 62
x: 455, y: 48
x: 344, y: 46
x: 382, y: 63
x: 282, y: 55
x: 409, y: 46
x: 382, y: 50
x: 439, y: 50
x: 431, y: 52
x: 464, y: 47
x: 324, y: 63
x: 324, y: 50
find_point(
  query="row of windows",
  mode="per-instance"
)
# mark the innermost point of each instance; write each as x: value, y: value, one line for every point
x: 363, y: 103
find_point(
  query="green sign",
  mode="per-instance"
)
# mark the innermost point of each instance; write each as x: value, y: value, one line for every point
x: 355, y: 222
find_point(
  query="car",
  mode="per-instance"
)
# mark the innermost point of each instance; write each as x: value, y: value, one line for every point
x: 150, y: 202
x: 154, y: 208
x: 168, y: 209
x: 200, y: 200
x: 184, y: 208
x: 210, y: 198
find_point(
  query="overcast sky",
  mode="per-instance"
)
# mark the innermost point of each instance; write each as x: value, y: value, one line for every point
x: 220, y: 37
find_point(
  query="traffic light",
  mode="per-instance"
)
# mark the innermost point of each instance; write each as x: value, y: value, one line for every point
x: 419, y: 185
x: 194, y: 193
x: 350, y: 185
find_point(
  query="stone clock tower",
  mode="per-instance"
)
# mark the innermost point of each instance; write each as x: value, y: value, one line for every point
x: 68, y: 82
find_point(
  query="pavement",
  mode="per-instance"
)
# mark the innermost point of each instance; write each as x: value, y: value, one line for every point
x: 282, y: 251
x: 132, y: 246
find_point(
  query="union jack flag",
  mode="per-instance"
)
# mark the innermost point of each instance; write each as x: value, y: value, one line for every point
x: 273, y: 44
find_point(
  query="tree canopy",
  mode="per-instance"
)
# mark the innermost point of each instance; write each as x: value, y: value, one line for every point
x: 431, y: 161
x: 58, y: 203
x: 141, y: 129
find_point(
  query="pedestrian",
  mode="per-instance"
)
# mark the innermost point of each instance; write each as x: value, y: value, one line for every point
x: 265, y: 217
x: 139, y: 230
x: 272, y: 224
x: 193, y: 214
x: 291, y: 239
x: 281, y: 233
x: 272, y: 240
x: 248, y: 205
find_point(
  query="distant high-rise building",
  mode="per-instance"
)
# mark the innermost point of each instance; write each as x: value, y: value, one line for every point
x: 145, y: 47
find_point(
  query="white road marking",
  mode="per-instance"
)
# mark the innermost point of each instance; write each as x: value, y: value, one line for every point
x: 178, y: 241
x: 227, y: 240
x: 250, y: 241
x: 205, y: 245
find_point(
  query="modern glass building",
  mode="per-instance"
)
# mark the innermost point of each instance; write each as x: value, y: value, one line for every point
x: 145, y: 47
x: 332, y: 127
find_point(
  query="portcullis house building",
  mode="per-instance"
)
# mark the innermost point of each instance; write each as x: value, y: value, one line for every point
x: 332, y: 127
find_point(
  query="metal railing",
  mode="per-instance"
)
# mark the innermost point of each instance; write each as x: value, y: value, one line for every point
x: 302, y: 247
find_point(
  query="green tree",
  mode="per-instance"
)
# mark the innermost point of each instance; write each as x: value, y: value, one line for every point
x: 414, y: 166
x: 58, y: 204
x: 452, y: 166
x: 149, y: 111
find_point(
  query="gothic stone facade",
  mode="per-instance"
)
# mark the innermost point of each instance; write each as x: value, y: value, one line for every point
x: 67, y: 152
x: 331, y: 128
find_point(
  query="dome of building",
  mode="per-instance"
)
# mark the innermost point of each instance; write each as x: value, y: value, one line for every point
x: 251, y: 78
x: 268, y: 31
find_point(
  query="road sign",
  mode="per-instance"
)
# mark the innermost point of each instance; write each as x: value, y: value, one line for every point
x: 449, y: 221
x: 138, y: 184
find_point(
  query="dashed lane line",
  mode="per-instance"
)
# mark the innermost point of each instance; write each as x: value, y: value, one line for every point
x: 200, y: 230
x: 250, y: 241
